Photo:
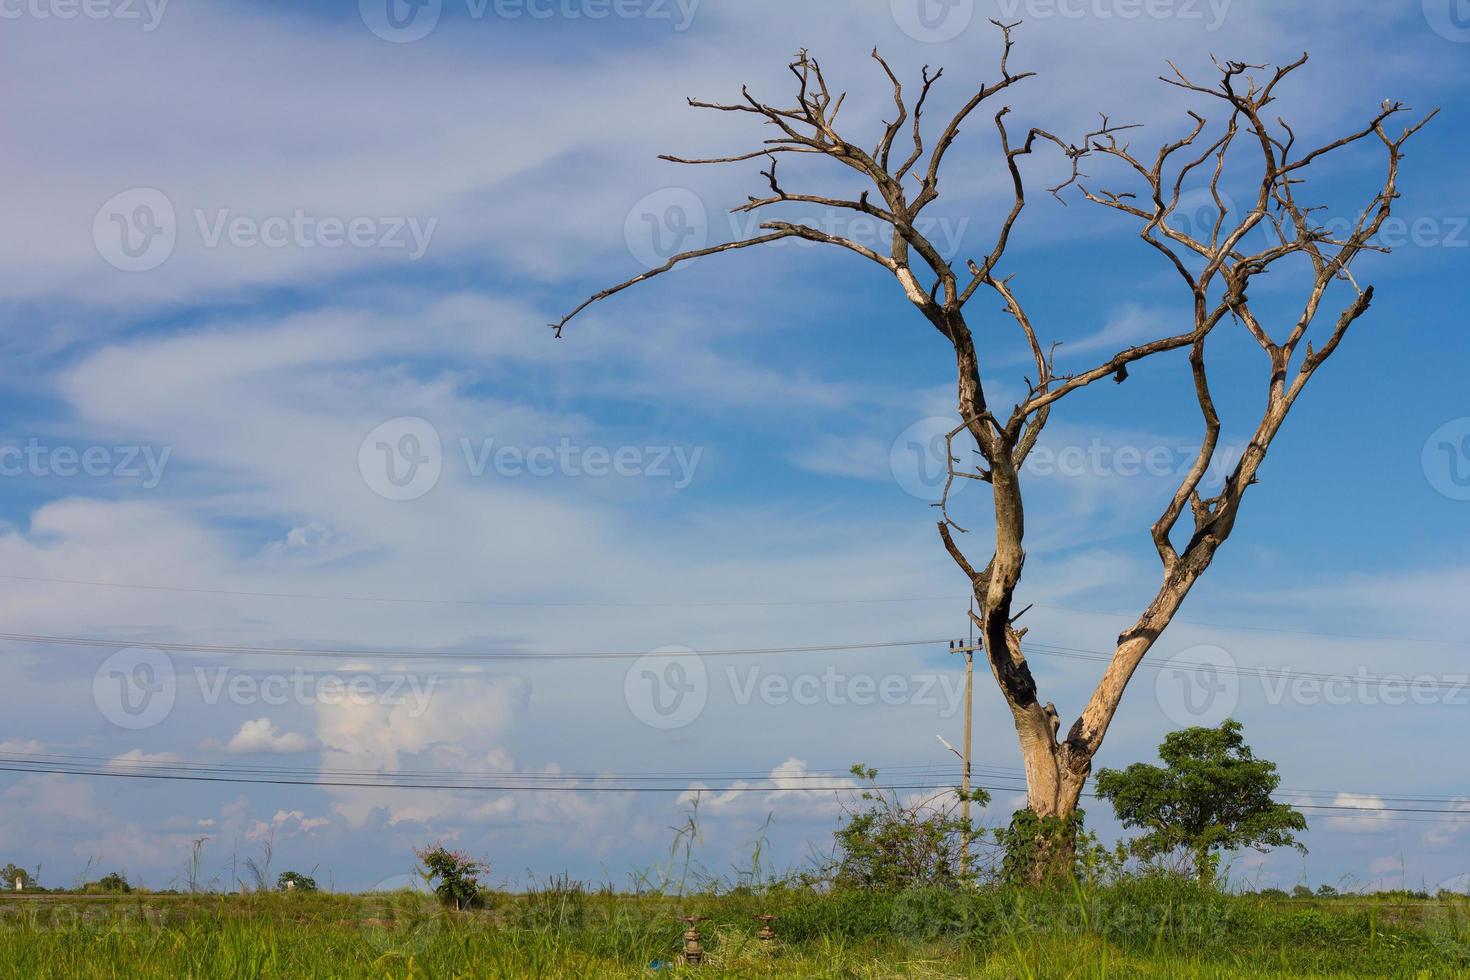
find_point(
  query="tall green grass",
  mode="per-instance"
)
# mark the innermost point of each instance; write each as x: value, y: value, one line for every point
x: 1137, y: 928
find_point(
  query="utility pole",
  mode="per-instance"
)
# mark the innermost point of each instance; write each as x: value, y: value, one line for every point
x: 968, y: 648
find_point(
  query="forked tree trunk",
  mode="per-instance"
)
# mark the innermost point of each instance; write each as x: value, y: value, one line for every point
x: 1058, y: 765
x: 1053, y: 796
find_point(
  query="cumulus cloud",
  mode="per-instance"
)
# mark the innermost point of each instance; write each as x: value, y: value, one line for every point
x: 285, y: 823
x: 55, y: 796
x: 1386, y: 865
x: 266, y: 400
x: 22, y: 746
x: 139, y: 755
x: 1370, y: 820
x: 260, y: 735
x: 791, y: 785
x: 1451, y: 828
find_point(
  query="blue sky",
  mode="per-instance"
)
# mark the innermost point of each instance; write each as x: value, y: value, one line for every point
x: 494, y: 172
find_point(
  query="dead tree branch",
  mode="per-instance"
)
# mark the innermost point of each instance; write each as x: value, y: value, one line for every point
x: 1216, y: 262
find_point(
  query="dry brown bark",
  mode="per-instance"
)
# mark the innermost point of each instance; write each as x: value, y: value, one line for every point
x: 1216, y: 268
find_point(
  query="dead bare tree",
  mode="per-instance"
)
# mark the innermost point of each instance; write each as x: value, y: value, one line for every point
x: 1217, y: 266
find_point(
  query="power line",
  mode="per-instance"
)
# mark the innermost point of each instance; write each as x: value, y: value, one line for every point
x: 1268, y: 629
x: 194, y: 776
x: 542, y: 782
x: 995, y: 770
x: 1278, y: 673
x: 191, y: 776
x: 909, y: 771
x: 434, y: 655
x: 1043, y: 649
x: 528, y: 603
x: 735, y: 604
x: 1378, y: 809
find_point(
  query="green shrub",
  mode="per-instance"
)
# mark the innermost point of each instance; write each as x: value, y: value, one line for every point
x: 295, y: 881
x: 886, y: 844
x: 457, y: 873
x: 111, y: 883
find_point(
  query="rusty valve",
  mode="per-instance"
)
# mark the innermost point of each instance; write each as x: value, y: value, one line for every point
x: 693, y: 954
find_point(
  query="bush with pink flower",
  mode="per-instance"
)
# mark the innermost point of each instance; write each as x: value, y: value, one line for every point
x: 457, y: 873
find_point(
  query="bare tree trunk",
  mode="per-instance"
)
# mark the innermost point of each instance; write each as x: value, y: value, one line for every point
x: 1215, y: 263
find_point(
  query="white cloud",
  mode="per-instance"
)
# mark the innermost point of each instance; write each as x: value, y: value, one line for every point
x: 284, y: 824
x: 55, y: 795
x: 265, y: 409
x: 508, y: 178
x: 791, y: 787
x: 138, y: 755
x: 314, y: 79
x: 863, y: 457
x: 1451, y: 829
x: 22, y: 746
x: 1386, y: 866
x: 261, y: 735
x: 1368, y: 821
x: 1129, y: 325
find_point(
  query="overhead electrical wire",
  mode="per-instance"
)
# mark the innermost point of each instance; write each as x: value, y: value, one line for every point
x: 54, y: 764
x: 431, y: 656
x: 637, y: 782
x: 436, y: 655
x: 526, y: 603
x: 717, y: 604
x: 192, y: 776
x: 906, y: 770
x: 1074, y: 653
x: 121, y: 763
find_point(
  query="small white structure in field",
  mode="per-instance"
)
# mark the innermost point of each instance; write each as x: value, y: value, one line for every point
x: 20, y: 883
x: 290, y: 884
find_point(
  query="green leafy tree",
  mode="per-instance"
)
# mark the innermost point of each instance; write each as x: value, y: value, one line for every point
x: 1212, y: 794
x: 295, y: 881
x: 11, y: 872
x: 113, y: 883
x: 457, y: 873
x: 887, y: 844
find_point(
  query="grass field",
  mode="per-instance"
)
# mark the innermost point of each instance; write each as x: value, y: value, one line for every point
x: 1140, y: 929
